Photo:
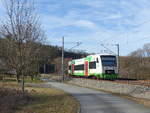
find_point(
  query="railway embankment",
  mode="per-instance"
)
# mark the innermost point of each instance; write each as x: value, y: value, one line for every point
x: 137, y: 91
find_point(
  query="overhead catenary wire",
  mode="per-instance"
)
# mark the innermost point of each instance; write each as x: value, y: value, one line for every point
x: 77, y: 44
x: 144, y: 38
x: 107, y: 48
x: 140, y: 24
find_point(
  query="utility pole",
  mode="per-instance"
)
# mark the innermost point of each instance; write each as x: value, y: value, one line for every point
x: 62, y: 60
x: 118, y: 57
x: 44, y: 68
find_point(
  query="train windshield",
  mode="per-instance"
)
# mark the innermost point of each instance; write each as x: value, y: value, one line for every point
x: 108, y: 60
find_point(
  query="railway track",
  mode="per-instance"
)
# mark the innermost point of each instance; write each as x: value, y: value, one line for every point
x: 120, y: 80
x: 135, y: 82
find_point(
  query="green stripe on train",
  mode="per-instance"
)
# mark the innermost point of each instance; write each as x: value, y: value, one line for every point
x: 78, y: 74
x: 89, y: 58
x: 104, y: 76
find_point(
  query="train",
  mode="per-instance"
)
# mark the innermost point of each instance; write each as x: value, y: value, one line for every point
x: 103, y: 66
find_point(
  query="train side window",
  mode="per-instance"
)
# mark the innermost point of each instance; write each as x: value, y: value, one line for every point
x: 79, y: 67
x: 69, y: 67
x: 92, y: 65
x: 97, y: 60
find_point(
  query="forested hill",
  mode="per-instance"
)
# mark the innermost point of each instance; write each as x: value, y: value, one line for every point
x: 136, y: 65
x: 46, y: 51
x: 36, y: 55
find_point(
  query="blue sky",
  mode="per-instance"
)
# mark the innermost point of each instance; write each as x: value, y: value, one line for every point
x: 94, y: 22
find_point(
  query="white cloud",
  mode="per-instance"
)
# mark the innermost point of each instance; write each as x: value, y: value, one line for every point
x: 93, y: 3
x: 70, y: 19
x: 110, y: 21
x: 85, y: 23
x: 113, y: 16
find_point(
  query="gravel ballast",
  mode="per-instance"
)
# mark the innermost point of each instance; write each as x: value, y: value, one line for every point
x: 129, y: 89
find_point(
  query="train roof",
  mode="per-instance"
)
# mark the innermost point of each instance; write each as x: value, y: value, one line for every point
x: 102, y: 54
x: 81, y: 59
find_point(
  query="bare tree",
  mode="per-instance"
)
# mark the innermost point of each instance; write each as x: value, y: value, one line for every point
x: 22, y: 32
x: 146, y: 49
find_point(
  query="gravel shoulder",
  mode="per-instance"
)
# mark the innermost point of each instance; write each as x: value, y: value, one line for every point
x: 93, y: 101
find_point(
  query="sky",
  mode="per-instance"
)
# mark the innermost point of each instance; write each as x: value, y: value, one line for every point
x: 95, y: 22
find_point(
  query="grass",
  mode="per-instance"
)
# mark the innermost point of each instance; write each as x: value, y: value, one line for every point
x: 36, y: 100
x: 45, y: 100
x: 34, y: 80
x: 27, y: 79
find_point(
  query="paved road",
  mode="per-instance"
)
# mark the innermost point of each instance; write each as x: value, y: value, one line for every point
x: 99, y: 102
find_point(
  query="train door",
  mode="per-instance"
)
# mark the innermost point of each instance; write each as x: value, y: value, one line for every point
x: 72, y: 69
x: 86, y: 66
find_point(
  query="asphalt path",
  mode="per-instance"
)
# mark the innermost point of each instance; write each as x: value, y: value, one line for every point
x: 93, y: 101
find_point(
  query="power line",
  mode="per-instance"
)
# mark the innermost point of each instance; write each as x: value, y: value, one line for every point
x: 104, y: 46
x: 144, y: 38
x: 148, y: 21
x: 77, y: 44
x: 143, y: 23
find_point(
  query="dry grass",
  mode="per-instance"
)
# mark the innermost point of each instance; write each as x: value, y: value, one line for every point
x: 11, y: 97
x: 36, y: 100
x: 47, y: 100
x: 27, y: 79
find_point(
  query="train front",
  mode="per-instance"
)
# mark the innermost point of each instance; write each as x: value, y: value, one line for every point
x: 109, y: 65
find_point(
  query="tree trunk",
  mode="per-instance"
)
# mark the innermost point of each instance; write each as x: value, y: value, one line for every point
x: 32, y: 77
x: 17, y: 76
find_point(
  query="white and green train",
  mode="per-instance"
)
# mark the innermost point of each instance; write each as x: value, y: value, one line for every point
x: 99, y: 65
